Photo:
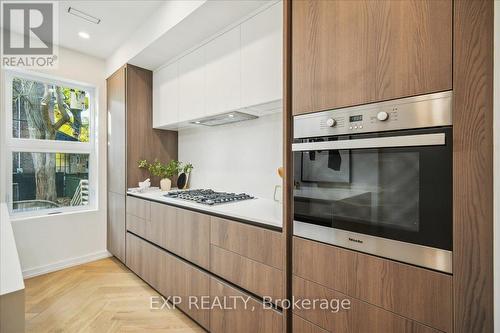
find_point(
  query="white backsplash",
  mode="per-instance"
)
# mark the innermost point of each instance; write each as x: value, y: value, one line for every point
x: 239, y: 157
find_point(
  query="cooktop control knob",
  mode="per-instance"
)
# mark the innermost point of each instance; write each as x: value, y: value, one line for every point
x: 330, y: 122
x: 382, y: 116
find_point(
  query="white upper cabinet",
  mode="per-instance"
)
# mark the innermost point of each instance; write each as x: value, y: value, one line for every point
x: 262, y: 57
x: 223, y: 73
x: 192, y: 85
x: 166, y: 96
x: 239, y: 69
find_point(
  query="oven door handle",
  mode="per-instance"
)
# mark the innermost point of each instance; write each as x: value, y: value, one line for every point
x: 434, y: 139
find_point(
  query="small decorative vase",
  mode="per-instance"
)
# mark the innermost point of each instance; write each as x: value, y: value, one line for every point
x: 165, y: 184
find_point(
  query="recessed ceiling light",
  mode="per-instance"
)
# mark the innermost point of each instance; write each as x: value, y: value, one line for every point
x: 197, y: 122
x: 231, y: 115
x: 84, y: 35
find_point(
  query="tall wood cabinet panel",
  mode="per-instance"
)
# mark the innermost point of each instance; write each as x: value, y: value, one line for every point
x: 348, y: 53
x: 130, y: 138
x: 473, y: 147
x: 115, y: 85
x: 116, y: 225
x: 144, y: 142
x: 116, y: 160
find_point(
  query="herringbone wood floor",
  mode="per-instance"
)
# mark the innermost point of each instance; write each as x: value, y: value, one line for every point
x: 98, y: 297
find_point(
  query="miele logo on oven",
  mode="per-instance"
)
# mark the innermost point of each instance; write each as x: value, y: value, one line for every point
x: 355, y: 240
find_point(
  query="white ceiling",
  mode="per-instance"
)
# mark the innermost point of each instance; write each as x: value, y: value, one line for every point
x: 119, y: 19
x: 204, y: 23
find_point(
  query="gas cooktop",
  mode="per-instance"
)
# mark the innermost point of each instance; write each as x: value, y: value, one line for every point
x: 208, y: 197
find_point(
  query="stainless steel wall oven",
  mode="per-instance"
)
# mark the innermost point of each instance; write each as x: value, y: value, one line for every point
x: 378, y: 178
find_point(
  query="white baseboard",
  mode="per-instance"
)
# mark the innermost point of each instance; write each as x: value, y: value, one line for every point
x: 32, y: 272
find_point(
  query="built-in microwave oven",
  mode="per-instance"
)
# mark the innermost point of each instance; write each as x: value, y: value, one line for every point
x: 377, y: 178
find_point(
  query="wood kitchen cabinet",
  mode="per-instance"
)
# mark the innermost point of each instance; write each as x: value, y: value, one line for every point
x: 241, y: 318
x: 181, y: 231
x: 170, y: 276
x: 116, y: 225
x: 138, y: 217
x: 186, y: 253
x: 130, y: 138
x: 260, y: 279
x: 256, y: 243
x: 301, y: 325
x: 347, y: 53
x: 116, y: 162
x: 249, y: 256
x: 412, y: 292
x: 357, y: 317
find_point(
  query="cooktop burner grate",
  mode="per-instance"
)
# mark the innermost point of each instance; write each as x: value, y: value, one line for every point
x: 207, y: 196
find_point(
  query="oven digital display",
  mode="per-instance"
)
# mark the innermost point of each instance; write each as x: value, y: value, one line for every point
x: 355, y: 118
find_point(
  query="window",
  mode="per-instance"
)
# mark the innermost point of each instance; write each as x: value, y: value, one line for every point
x: 50, y: 144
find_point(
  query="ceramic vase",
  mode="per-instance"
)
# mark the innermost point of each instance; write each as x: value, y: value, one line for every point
x: 165, y: 184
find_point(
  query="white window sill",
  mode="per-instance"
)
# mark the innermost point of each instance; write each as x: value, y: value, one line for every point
x: 19, y: 217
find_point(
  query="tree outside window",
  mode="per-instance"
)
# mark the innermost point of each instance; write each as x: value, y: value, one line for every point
x: 57, y: 174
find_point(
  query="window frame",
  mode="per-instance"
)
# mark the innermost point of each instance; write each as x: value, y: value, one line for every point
x: 49, y: 146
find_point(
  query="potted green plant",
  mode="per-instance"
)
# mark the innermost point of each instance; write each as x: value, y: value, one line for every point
x: 183, y: 179
x: 164, y: 171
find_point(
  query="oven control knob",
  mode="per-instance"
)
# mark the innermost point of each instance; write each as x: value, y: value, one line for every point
x: 382, y: 116
x: 330, y: 122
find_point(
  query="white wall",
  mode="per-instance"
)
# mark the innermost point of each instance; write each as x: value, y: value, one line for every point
x: 50, y: 242
x: 239, y: 157
x: 167, y: 16
x: 496, y: 168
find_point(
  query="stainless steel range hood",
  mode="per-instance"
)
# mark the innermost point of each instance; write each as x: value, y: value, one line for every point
x: 222, y: 119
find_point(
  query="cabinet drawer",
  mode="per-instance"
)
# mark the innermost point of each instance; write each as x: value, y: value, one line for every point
x: 259, y: 244
x: 416, y: 293
x: 144, y: 260
x: 182, y: 232
x: 169, y: 275
x: 361, y: 317
x: 252, y: 319
x: 260, y: 279
x: 301, y: 325
x: 138, y: 207
x: 137, y: 225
